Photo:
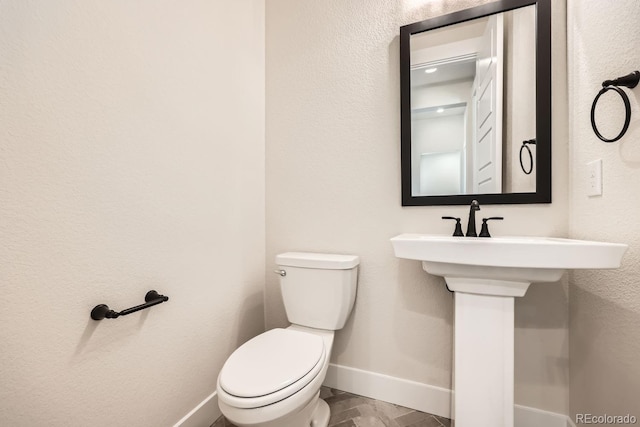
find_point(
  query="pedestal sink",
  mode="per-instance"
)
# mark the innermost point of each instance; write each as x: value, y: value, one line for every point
x: 486, y: 274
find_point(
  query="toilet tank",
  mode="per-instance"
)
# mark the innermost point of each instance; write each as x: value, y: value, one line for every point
x: 318, y: 290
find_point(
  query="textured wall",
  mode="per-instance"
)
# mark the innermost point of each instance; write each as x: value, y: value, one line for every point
x: 605, y: 305
x: 131, y: 158
x: 333, y: 184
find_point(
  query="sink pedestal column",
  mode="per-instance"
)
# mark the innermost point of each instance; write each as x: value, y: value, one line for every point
x: 483, y: 356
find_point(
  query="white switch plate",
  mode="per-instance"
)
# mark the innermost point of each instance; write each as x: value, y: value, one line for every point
x: 594, y: 178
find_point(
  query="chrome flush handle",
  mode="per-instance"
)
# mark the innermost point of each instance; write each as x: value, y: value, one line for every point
x: 280, y: 272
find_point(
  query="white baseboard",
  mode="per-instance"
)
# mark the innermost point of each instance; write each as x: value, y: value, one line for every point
x: 525, y: 416
x: 202, y: 415
x: 407, y: 393
x: 423, y: 397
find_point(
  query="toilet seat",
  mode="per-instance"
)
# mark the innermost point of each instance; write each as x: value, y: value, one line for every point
x: 271, y: 367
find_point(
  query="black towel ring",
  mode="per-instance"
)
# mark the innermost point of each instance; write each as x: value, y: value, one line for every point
x: 630, y: 80
x: 525, y: 145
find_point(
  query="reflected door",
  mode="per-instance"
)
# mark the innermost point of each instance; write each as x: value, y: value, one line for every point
x: 487, y: 96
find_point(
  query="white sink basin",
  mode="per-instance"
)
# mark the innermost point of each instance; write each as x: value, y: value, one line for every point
x: 504, y: 265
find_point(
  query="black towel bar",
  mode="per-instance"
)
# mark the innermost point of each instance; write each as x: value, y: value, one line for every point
x: 152, y: 298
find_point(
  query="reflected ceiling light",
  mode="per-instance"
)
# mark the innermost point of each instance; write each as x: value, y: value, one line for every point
x: 430, y: 70
x: 440, y: 110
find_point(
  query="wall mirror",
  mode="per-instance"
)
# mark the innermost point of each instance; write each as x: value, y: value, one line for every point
x: 476, y: 106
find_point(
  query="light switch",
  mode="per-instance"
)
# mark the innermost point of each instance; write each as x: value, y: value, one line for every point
x: 594, y: 178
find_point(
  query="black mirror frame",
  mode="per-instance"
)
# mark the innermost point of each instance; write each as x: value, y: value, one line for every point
x: 543, y: 105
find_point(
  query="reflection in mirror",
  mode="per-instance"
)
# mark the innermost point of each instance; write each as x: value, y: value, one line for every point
x: 473, y: 87
x: 474, y: 97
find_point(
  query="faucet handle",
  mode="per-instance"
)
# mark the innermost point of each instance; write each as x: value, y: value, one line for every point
x: 458, y: 230
x: 484, y: 231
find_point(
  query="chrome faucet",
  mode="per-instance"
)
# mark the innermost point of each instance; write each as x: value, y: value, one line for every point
x: 471, y: 225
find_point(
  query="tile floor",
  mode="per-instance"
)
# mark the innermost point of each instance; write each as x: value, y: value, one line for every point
x: 350, y: 410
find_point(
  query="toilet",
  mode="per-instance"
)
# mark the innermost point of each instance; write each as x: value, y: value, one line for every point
x: 274, y: 379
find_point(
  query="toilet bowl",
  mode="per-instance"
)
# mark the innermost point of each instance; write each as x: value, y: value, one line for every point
x: 274, y: 379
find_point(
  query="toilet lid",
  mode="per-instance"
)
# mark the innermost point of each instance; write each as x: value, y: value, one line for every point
x: 270, y: 362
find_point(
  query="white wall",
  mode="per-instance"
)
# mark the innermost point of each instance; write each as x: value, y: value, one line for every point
x: 437, y: 162
x: 333, y: 184
x: 605, y: 305
x: 443, y: 94
x: 131, y: 158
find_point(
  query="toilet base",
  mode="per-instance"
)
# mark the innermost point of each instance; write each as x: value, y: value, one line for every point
x: 321, y: 414
x: 315, y: 413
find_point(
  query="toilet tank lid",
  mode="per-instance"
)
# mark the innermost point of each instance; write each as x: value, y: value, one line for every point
x: 315, y: 260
